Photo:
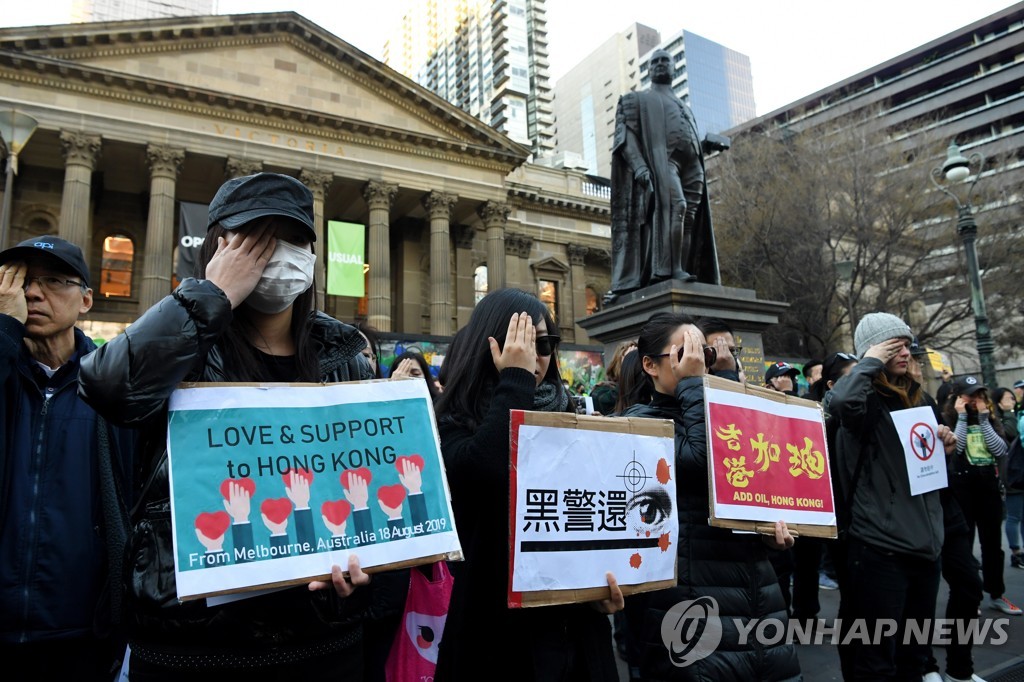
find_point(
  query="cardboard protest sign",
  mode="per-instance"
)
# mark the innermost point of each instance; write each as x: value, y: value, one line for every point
x: 590, y: 495
x: 767, y: 460
x: 271, y: 484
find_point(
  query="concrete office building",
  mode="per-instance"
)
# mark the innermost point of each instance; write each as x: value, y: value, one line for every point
x: 487, y: 57
x: 964, y: 86
x: 116, y: 10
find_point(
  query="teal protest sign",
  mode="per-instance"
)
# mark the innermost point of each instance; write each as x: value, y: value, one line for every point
x: 273, y: 484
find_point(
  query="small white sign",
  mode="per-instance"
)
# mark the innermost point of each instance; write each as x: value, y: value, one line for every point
x: 924, y: 450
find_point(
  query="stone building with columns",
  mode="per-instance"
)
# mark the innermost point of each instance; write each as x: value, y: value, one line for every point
x: 136, y: 117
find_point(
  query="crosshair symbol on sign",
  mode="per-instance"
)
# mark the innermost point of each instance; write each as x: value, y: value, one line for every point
x: 922, y: 441
x: 634, y: 476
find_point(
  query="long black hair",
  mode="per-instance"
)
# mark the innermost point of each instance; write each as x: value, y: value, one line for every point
x: 633, y: 390
x: 468, y: 370
x: 654, y: 335
x: 240, y: 357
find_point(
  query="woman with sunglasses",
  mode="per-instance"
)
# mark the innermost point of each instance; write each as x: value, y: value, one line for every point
x: 505, y: 359
x: 712, y: 562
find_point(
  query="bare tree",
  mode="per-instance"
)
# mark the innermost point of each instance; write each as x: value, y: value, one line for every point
x: 840, y: 221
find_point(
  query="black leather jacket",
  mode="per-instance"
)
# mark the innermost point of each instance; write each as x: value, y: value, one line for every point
x: 129, y: 380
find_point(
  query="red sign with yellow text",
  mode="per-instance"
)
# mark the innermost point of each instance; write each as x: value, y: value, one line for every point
x: 768, y: 459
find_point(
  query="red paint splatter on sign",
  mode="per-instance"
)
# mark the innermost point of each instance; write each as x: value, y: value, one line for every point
x: 635, y: 560
x: 664, y: 542
x: 663, y: 471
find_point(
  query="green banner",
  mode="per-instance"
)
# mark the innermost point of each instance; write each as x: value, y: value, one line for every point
x: 346, y: 244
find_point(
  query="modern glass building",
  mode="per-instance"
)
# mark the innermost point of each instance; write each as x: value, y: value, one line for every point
x: 712, y: 79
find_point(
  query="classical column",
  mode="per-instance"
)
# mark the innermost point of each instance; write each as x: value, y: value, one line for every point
x: 81, y: 152
x: 439, y: 206
x: 164, y: 164
x: 577, y: 254
x: 465, y: 274
x: 318, y: 183
x: 517, y: 251
x: 379, y: 196
x: 495, y: 216
x: 235, y: 167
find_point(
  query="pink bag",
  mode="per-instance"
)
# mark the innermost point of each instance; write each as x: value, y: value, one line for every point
x: 413, y: 654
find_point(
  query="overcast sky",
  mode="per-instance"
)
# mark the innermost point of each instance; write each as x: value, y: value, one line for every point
x: 796, y: 47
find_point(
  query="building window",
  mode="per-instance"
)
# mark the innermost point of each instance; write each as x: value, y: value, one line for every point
x: 479, y: 283
x: 593, y: 301
x: 549, y: 297
x: 116, y: 270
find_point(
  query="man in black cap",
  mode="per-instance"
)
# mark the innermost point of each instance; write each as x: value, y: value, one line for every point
x: 781, y: 377
x: 1018, y: 395
x: 62, y: 469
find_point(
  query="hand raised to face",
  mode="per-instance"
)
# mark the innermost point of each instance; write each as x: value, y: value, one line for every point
x: 520, y: 348
x: 239, y: 261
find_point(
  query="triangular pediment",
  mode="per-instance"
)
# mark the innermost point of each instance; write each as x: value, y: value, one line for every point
x: 278, y: 64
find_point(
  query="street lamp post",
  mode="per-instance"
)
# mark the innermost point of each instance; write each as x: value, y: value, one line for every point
x: 15, y: 129
x: 956, y: 169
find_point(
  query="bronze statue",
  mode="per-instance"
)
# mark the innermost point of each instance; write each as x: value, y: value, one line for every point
x: 661, y: 221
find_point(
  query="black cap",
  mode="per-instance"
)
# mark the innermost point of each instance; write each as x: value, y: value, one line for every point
x: 1019, y: 383
x: 834, y: 364
x: 809, y: 365
x: 967, y: 386
x: 249, y: 197
x: 779, y: 369
x: 69, y: 255
x: 916, y: 349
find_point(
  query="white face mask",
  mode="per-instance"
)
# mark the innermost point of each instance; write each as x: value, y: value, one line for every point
x: 288, y: 274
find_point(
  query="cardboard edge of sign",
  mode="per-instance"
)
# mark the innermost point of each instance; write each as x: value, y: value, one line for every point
x: 764, y: 527
x: 632, y: 425
x: 406, y: 563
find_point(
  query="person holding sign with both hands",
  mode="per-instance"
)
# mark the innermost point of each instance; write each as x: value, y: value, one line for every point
x: 250, y: 315
x: 503, y: 360
x: 731, y: 568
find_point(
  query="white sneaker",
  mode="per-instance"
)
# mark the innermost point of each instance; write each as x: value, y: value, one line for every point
x: 947, y: 678
x: 1005, y: 605
x: 932, y: 677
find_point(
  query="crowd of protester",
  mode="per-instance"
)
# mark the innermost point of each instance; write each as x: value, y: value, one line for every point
x: 84, y: 466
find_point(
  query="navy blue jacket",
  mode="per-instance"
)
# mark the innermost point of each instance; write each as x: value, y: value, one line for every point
x: 53, y: 527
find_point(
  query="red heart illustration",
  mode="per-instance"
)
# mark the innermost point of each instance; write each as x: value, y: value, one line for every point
x: 415, y: 459
x: 213, y: 524
x: 277, y: 510
x: 336, y: 512
x: 361, y: 471
x: 305, y: 473
x: 247, y: 483
x: 391, y: 495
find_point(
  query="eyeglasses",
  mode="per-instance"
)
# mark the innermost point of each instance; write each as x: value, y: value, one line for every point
x: 52, y: 284
x: 546, y: 345
x: 710, y: 356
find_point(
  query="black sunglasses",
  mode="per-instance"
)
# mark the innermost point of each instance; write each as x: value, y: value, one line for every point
x: 710, y: 356
x: 546, y: 345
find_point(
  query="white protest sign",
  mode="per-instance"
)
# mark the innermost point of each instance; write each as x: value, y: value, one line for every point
x: 585, y: 502
x: 924, y: 452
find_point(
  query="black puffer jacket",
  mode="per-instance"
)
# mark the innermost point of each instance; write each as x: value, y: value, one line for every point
x: 713, y: 562
x: 128, y: 381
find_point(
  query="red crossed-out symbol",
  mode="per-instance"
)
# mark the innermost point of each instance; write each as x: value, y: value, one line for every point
x: 922, y: 441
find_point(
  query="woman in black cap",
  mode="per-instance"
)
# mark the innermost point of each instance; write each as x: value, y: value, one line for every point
x: 974, y: 479
x: 249, y: 315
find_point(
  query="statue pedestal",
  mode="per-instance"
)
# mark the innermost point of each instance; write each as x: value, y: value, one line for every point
x: 739, y: 308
